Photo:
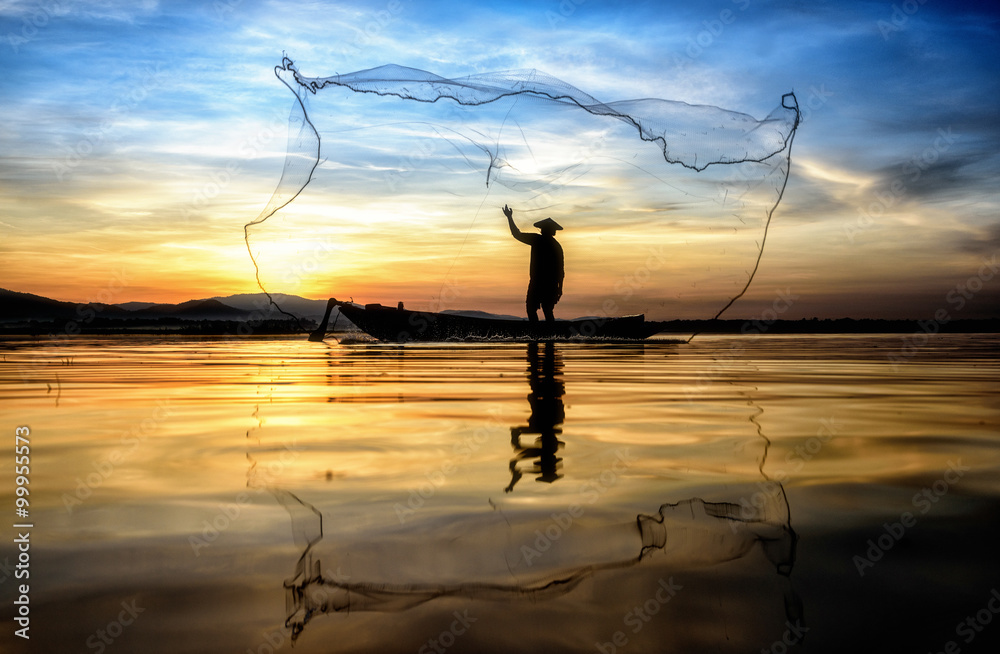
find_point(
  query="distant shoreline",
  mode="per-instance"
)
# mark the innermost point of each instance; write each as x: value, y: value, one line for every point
x: 24, y: 314
x: 274, y: 327
x: 835, y: 326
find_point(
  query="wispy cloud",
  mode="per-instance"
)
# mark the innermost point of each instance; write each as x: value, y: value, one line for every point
x: 155, y: 130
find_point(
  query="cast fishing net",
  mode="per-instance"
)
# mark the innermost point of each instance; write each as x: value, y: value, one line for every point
x: 394, y: 179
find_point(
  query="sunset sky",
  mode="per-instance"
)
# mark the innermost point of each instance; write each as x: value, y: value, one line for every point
x: 139, y: 137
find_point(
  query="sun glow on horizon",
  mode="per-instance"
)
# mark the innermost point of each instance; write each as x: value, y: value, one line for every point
x: 143, y: 160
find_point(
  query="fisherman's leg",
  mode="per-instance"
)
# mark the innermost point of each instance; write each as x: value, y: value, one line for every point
x: 531, y: 305
x: 547, y: 308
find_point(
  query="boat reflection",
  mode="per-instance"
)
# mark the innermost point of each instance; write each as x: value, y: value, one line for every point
x: 547, y: 414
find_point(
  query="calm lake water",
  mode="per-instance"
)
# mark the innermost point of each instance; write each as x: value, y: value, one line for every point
x: 732, y: 494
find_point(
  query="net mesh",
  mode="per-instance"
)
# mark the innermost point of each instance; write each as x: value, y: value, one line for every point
x: 394, y: 179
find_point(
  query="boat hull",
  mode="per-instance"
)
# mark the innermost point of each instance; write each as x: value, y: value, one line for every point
x: 396, y: 325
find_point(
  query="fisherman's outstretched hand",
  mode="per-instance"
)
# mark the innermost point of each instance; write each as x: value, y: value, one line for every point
x: 507, y: 211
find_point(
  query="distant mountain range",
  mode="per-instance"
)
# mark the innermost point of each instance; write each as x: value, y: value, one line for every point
x: 253, y: 313
x: 18, y: 307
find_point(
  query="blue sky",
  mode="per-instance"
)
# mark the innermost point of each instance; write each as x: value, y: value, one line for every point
x: 138, y: 137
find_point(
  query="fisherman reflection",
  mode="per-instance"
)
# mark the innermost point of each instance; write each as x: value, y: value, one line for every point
x: 547, y: 413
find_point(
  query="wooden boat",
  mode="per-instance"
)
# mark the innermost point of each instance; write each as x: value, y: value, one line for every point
x: 399, y: 325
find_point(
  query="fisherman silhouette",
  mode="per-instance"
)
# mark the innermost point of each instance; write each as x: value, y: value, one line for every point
x: 545, y: 279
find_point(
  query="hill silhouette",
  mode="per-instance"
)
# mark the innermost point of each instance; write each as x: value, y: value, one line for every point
x: 251, y: 313
x: 245, y: 313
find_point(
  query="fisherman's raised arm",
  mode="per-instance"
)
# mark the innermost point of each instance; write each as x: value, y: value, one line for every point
x: 514, y: 231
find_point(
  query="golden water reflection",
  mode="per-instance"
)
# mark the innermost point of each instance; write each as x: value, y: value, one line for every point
x: 358, y: 492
